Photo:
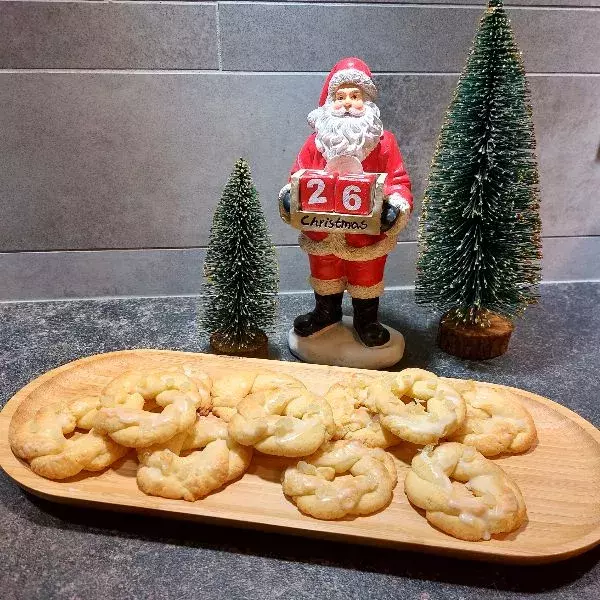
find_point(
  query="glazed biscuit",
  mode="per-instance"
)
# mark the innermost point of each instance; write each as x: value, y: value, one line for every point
x: 463, y: 493
x: 354, y: 407
x: 123, y: 416
x: 342, y: 478
x: 283, y: 422
x: 420, y: 407
x: 215, y: 459
x: 496, y: 421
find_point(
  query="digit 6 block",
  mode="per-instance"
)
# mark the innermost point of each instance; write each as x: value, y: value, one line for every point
x: 353, y: 194
x: 317, y: 191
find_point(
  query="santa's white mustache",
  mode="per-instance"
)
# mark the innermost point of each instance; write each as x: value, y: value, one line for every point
x: 342, y: 112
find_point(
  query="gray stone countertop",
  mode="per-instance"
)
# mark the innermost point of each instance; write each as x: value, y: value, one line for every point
x: 56, y: 551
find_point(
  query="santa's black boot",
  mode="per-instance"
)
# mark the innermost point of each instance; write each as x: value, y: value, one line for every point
x: 327, y: 311
x: 371, y: 332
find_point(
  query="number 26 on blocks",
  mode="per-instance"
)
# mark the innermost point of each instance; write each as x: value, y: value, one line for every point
x: 345, y: 194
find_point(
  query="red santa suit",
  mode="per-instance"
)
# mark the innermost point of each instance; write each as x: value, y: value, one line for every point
x: 355, y: 262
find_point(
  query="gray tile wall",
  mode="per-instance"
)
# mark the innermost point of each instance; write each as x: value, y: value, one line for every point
x: 120, y: 121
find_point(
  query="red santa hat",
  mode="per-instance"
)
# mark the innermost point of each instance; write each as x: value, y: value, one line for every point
x: 349, y: 70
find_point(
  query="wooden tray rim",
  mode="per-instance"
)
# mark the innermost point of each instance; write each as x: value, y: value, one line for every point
x: 479, y: 552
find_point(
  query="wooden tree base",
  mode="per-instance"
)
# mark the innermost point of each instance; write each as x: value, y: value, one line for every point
x: 472, y: 341
x: 260, y: 349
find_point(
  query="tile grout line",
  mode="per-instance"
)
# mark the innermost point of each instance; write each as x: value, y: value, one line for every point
x: 221, y: 71
x: 198, y: 295
x: 138, y: 249
x: 182, y: 248
x: 421, y: 5
x: 329, y: 3
x: 219, y: 41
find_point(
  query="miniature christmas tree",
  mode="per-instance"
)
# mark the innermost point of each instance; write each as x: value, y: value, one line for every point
x: 241, y: 271
x: 479, y: 232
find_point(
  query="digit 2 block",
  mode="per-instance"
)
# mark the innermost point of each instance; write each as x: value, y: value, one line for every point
x: 353, y: 194
x: 317, y: 191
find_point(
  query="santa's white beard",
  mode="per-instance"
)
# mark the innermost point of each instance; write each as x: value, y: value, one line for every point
x: 339, y: 134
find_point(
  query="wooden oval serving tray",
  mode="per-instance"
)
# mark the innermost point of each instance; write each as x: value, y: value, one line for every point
x: 559, y: 478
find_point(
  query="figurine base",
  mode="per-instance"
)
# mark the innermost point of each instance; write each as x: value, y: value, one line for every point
x: 340, y: 346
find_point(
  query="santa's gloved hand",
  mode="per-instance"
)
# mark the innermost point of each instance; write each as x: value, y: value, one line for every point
x: 395, y: 212
x: 285, y: 202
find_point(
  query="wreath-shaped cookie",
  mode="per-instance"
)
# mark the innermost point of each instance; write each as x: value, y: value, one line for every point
x: 215, y: 459
x: 124, y: 414
x: 342, y: 478
x: 420, y: 407
x: 53, y: 447
x: 489, y: 502
x: 229, y: 390
x: 283, y: 422
x: 496, y: 421
x: 354, y: 407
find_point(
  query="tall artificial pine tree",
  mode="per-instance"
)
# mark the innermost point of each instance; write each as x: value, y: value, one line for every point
x: 479, y: 234
x: 240, y: 269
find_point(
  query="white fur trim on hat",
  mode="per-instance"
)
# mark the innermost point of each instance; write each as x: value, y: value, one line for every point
x: 362, y: 80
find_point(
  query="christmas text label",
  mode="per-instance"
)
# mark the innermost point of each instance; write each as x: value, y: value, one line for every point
x: 322, y: 201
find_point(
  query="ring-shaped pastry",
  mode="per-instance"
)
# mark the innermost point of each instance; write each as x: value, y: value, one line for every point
x: 342, y: 478
x: 228, y: 391
x: 289, y: 422
x: 354, y: 407
x: 496, y: 421
x: 420, y: 407
x: 215, y: 460
x: 481, y: 501
x: 53, y: 447
x: 123, y: 415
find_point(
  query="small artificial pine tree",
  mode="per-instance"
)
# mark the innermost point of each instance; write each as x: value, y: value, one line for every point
x: 479, y: 233
x: 240, y: 268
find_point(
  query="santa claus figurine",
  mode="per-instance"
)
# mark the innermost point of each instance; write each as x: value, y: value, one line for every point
x: 347, y: 124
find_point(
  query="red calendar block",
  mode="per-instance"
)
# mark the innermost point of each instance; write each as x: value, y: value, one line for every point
x: 353, y: 194
x: 317, y: 190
